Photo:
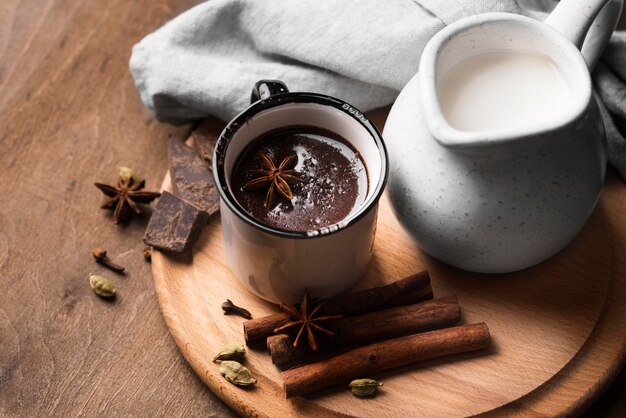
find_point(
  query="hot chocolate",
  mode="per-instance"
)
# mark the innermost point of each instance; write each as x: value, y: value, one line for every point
x: 300, y: 178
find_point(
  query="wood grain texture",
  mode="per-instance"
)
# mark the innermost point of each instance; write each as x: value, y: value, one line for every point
x: 542, y: 321
x: 69, y: 114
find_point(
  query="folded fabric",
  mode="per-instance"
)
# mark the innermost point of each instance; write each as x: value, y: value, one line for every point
x: 205, y: 61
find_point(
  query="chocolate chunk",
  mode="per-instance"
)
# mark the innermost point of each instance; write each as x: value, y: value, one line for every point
x: 175, y: 224
x: 191, y: 180
x: 204, y: 138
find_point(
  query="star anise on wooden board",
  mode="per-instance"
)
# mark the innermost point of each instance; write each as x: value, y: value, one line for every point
x: 126, y: 195
x: 276, y: 179
x: 306, y: 321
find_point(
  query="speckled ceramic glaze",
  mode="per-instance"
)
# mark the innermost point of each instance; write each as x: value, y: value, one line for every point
x: 501, y: 201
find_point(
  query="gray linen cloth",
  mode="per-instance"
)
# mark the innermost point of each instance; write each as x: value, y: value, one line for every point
x: 205, y: 61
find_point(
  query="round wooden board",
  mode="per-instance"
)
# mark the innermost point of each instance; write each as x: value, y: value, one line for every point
x: 559, y: 329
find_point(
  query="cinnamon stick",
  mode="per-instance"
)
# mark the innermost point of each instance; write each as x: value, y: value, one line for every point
x: 385, y: 355
x: 409, y: 298
x: 412, y: 289
x: 372, y: 327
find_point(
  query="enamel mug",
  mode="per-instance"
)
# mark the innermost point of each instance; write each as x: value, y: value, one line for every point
x: 279, y: 265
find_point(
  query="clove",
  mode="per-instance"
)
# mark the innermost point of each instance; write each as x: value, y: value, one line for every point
x: 231, y: 309
x: 147, y: 254
x: 101, y: 257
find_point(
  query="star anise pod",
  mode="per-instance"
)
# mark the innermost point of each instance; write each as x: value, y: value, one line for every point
x: 275, y: 179
x: 126, y: 195
x: 306, y: 321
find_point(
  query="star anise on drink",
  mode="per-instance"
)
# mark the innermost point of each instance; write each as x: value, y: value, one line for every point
x: 306, y: 321
x: 275, y: 179
x: 127, y: 194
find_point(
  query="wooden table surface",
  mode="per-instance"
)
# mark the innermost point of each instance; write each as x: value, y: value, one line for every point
x: 69, y: 115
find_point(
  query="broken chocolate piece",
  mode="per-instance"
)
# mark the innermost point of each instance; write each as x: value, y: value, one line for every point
x: 191, y: 180
x: 204, y: 138
x: 175, y: 224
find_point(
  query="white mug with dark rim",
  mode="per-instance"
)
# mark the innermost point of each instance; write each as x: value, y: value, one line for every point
x: 279, y: 265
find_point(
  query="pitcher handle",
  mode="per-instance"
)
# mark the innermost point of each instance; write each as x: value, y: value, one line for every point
x: 588, y: 24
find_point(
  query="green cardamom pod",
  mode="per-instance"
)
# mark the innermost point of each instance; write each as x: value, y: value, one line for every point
x: 236, y: 373
x: 230, y: 351
x: 101, y: 286
x: 126, y: 173
x: 364, y: 387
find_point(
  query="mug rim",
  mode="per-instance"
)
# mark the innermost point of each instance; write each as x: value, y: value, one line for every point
x: 280, y: 99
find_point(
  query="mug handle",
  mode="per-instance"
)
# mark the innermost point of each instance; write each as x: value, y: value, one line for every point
x: 588, y: 24
x: 263, y: 89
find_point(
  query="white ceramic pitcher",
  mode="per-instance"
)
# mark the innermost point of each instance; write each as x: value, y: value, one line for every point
x: 504, y: 200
